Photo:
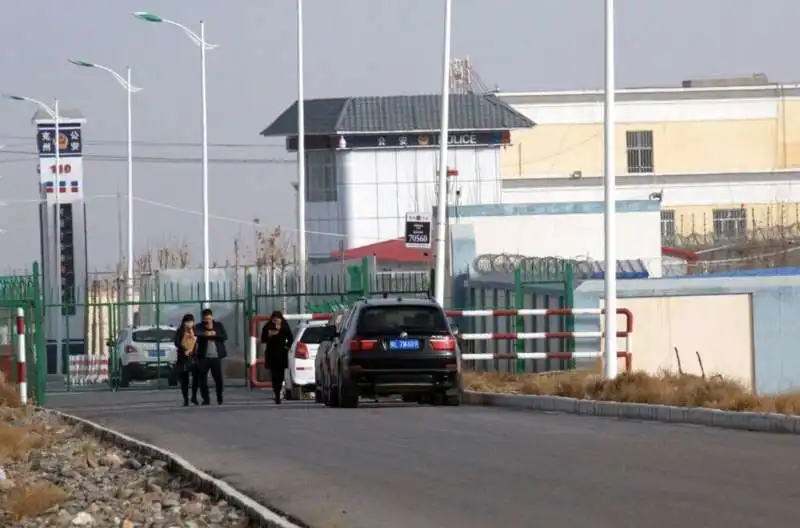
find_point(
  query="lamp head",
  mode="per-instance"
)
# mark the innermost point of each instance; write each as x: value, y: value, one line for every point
x: 147, y: 17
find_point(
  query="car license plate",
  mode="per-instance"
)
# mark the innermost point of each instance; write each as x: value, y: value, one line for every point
x: 156, y: 353
x: 404, y: 344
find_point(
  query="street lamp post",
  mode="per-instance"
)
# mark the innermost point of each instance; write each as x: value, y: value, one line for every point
x: 130, y: 89
x: 199, y: 40
x: 610, y: 224
x: 441, y: 202
x: 54, y: 115
x: 301, y: 163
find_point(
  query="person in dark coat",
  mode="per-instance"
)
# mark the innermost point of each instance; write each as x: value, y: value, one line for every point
x: 211, y: 338
x: 186, y: 365
x: 277, y: 338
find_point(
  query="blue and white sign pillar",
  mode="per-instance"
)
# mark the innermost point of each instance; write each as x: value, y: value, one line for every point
x: 66, y: 301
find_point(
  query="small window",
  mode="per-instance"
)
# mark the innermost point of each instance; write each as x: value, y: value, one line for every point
x: 154, y: 335
x: 639, y: 149
x: 428, y: 320
x: 730, y: 223
x: 668, y: 226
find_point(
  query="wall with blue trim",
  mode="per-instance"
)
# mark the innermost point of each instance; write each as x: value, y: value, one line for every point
x: 775, y: 313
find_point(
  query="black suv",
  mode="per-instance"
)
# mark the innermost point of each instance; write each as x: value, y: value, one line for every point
x: 389, y: 347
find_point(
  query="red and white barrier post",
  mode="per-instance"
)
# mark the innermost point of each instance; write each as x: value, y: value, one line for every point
x: 22, y: 372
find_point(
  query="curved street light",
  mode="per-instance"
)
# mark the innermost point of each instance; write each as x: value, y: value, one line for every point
x: 200, y: 41
x: 129, y: 89
x: 54, y: 115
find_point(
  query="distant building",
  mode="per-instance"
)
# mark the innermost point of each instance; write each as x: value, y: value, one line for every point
x: 722, y: 156
x: 371, y: 160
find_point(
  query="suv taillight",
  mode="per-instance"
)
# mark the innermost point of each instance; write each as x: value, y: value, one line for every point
x: 362, y: 345
x: 301, y: 351
x: 130, y: 350
x: 443, y: 344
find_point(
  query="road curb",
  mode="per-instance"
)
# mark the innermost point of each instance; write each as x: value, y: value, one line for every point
x: 259, y: 515
x: 746, y: 421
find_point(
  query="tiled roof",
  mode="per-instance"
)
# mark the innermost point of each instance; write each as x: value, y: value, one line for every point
x: 399, y: 113
x: 389, y: 250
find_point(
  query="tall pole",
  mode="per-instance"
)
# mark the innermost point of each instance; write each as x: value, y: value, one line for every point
x: 610, y: 224
x: 57, y: 238
x: 301, y: 162
x: 441, y: 197
x: 206, y: 258
x: 129, y: 277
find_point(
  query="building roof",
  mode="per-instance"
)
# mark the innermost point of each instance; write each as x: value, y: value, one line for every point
x: 67, y: 114
x: 390, y: 250
x: 398, y: 113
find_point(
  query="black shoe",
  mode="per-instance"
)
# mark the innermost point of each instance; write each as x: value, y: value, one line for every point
x: 205, y: 403
x: 185, y: 403
x: 219, y: 400
x: 278, y: 400
x: 195, y: 402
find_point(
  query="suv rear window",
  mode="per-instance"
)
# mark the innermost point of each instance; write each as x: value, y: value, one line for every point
x: 425, y: 320
x: 312, y: 335
x: 154, y: 335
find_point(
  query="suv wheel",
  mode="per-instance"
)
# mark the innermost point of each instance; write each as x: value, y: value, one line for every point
x: 124, y: 375
x: 348, y: 394
x: 453, y: 400
x: 331, y: 393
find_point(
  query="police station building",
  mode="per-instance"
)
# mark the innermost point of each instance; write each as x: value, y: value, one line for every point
x: 372, y: 160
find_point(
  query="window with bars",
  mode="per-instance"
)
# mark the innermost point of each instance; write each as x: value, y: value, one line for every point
x: 729, y: 223
x: 639, y: 150
x: 668, y: 226
x: 321, y: 176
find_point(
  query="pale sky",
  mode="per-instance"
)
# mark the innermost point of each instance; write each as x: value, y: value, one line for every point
x: 353, y: 47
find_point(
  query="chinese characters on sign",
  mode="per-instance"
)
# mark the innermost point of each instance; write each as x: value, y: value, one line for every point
x: 69, y: 141
x: 481, y: 138
x: 418, y: 230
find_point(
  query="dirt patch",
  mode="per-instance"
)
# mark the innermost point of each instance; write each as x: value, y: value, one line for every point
x: 716, y: 392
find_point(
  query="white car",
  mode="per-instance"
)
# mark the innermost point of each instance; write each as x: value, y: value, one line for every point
x: 144, y: 353
x: 300, y: 376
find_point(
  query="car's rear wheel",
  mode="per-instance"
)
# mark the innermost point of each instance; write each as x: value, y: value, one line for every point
x: 453, y: 400
x: 410, y: 398
x: 317, y: 395
x: 348, y: 394
x: 331, y: 394
x: 124, y: 375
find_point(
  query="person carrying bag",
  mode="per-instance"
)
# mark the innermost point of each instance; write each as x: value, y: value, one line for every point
x: 186, y: 365
x: 277, y: 338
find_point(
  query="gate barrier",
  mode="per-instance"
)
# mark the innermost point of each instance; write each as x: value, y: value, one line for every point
x: 22, y: 372
x: 254, y: 360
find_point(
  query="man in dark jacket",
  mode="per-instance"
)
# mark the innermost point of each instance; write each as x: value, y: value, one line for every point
x: 211, y: 337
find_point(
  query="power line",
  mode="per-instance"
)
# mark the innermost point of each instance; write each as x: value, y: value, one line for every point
x: 167, y: 159
x: 156, y: 143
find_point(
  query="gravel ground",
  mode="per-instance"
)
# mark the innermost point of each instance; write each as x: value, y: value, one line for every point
x: 53, y: 475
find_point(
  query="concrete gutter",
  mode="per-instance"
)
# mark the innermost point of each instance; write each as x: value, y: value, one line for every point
x: 746, y: 421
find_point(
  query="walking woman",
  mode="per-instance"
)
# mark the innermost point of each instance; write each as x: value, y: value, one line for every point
x: 186, y: 365
x: 278, y: 338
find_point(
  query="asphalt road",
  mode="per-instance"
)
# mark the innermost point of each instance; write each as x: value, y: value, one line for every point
x: 401, y: 466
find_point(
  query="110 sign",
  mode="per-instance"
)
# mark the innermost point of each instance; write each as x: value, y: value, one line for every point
x: 66, y: 168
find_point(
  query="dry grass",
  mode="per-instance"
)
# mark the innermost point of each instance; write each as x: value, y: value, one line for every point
x: 32, y: 501
x: 667, y: 388
x: 17, y: 441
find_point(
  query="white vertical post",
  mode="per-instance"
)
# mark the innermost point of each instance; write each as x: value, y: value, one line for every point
x: 206, y: 258
x: 129, y: 278
x: 610, y: 224
x: 441, y: 198
x: 57, y: 240
x: 300, y: 262
x: 22, y: 371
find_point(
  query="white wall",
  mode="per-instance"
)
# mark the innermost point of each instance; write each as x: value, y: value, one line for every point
x: 778, y: 191
x: 650, y: 111
x: 377, y: 188
x: 570, y: 236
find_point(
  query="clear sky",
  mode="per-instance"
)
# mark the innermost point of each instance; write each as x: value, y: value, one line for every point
x: 353, y: 47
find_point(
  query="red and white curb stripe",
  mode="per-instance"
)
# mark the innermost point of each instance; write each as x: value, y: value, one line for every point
x: 22, y: 371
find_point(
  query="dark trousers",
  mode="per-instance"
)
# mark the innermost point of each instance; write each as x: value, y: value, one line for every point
x: 183, y: 377
x: 214, y: 366
x: 277, y: 376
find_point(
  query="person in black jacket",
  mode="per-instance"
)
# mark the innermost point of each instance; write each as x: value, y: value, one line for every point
x: 277, y: 338
x: 186, y: 364
x: 211, y: 337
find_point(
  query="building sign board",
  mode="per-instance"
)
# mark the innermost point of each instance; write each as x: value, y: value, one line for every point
x: 418, y: 230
